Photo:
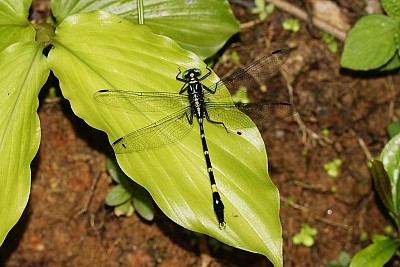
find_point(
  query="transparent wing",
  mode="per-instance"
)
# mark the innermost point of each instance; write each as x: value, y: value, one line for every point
x: 141, y: 101
x: 240, y: 116
x: 254, y: 75
x: 166, y: 131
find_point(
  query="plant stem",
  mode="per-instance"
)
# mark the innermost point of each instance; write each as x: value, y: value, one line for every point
x: 140, y: 11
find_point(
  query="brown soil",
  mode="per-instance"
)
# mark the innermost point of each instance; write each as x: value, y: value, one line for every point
x: 67, y: 223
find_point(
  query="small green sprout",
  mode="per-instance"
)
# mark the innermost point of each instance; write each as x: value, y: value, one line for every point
x: 333, y: 189
x: 262, y: 10
x: 388, y: 230
x: 52, y: 92
x: 291, y: 25
x: 363, y: 236
x: 330, y: 41
x: 325, y: 131
x: 332, y: 167
x: 342, y: 261
x: 127, y: 196
x: 305, y: 236
x: 235, y: 57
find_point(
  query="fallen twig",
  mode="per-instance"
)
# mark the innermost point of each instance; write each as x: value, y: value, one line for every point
x: 301, y: 14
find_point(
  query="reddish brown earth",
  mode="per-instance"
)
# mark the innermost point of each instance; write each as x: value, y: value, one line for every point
x: 67, y: 223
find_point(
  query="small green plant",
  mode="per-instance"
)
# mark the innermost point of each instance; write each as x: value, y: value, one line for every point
x: 262, y: 9
x: 342, y: 261
x: 385, y: 173
x: 374, y: 41
x: 333, y: 167
x: 330, y: 41
x: 127, y: 196
x: 325, y: 131
x: 306, y: 236
x: 291, y: 24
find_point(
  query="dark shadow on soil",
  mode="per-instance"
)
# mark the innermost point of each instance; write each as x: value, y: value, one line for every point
x: 191, y: 241
x: 14, y: 237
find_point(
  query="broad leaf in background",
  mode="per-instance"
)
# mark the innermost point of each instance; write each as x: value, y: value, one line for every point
x: 23, y: 71
x: 382, y: 185
x: 370, y: 43
x: 14, y: 23
x: 376, y: 254
x: 390, y: 158
x: 202, y: 27
x: 130, y: 57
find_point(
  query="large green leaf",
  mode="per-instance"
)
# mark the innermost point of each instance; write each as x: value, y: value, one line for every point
x: 370, y: 43
x: 129, y: 57
x: 14, y: 23
x: 390, y: 158
x: 376, y: 254
x: 23, y: 71
x: 200, y: 26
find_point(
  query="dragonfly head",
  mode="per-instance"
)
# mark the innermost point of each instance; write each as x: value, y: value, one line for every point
x: 191, y: 74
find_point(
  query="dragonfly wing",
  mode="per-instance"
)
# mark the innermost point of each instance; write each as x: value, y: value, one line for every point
x: 141, y: 101
x: 256, y: 74
x: 238, y: 116
x: 166, y: 131
x: 228, y: 114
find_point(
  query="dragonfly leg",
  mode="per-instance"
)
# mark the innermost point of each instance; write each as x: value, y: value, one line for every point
x: 215, y: 122
x: 189, y: 117
x: 179, y: 78
x: 206, y: 75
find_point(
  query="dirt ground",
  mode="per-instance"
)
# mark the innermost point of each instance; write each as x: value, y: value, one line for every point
x: 67, y: 223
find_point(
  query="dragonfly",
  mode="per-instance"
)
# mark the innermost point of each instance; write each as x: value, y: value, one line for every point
x: 197, y: 101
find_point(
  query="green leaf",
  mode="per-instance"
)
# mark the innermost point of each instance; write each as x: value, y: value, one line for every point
x: 393, y: 63
x: 394, y: 128
x: 23, y: 71
x: 200, y: 26
x: 125, y: 209
x: 114, y: 170
x: 144, y: 205
x: 130, y: 57
x: 370, y: 43
x: 14, y: 23
x: 392, y: 8
x: 390, y: 158
x: 117, y: 196
x: 382, y: 185
x: 376, y: 254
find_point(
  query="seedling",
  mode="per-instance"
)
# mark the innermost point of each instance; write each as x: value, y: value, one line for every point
x: 291, y: 24
x: 332, y: 167
x: 262, y: 9
x: 330, y: 41
x: 342, y: 261
x: 127, y: 196
x: 306, y: 236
